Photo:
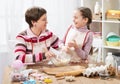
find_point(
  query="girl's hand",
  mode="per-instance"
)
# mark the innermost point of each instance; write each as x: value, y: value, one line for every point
x: 72, y: 44
x: 66, y: 49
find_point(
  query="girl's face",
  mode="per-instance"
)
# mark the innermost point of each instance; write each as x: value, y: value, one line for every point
x: 41, y: 23
x: 78, y: 19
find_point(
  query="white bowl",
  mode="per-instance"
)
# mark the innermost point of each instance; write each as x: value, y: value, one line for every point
x: 61, y: 60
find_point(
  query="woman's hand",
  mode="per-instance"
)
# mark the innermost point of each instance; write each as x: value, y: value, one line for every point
x: 49, y: 55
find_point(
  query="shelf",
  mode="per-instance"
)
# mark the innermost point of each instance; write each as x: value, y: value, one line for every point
x: 111, y: 21
x: 104, y: 25
x: 111, y: 47
x: 97, y: 20
x: 107, y: 21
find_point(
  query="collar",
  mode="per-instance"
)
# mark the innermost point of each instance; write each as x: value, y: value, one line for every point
x: 31, y: 34
x: 82, y: 29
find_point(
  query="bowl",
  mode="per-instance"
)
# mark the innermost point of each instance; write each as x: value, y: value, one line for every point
x: 61, y: 60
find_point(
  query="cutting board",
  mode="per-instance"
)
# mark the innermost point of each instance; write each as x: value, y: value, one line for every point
x: 64, y: 71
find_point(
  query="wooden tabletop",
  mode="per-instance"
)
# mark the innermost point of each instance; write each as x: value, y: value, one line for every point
x: 78, y: 80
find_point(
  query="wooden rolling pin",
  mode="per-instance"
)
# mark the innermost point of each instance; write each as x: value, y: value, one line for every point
x: 70, y: 73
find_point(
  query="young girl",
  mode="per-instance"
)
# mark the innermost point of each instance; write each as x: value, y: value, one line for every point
x: 78, y: 38
x: 33, y: 44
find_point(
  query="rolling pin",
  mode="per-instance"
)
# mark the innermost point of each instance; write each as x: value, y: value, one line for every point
x: 70, y: 73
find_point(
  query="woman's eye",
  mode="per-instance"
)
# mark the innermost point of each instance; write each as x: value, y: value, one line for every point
x: 45, y: 19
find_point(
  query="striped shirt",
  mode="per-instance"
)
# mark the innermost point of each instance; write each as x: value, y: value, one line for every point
x: 30, y: 48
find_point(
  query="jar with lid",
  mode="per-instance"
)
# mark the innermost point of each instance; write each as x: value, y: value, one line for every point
x: 97, y: 11
x: 97, y: 8
x: 109, y: 60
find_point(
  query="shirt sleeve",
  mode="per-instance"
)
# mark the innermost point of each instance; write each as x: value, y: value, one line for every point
x: 55, y: 41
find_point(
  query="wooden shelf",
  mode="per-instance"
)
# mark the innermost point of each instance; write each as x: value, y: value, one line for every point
x: 111, y: 21
x: 111, y: 47
x: 97, y: 20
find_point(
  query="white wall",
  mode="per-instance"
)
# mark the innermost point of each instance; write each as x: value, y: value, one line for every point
x: 60, y: 17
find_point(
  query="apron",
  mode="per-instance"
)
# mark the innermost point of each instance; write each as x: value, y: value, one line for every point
x: 79, y: 37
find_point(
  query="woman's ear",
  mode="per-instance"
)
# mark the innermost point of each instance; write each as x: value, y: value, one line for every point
x: 33, y: 23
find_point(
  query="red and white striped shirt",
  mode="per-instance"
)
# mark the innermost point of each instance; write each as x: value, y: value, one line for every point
x: 30, y: 48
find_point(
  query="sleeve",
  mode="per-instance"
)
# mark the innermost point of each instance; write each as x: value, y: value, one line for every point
x: 55, y: 41
x: 22, y: 53
x: 84, y: 52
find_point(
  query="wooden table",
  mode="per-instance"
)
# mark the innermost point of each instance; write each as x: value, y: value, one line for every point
x: 78, y: 80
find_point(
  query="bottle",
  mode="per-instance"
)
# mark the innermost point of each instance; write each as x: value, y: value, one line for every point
x: 118, y: 71
x: 109, y: 60
x: 97, y: 8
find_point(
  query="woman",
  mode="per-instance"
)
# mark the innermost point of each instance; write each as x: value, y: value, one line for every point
x: 33, y: 44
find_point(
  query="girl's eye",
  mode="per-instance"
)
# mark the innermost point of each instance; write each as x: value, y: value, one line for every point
x: 75, y: 17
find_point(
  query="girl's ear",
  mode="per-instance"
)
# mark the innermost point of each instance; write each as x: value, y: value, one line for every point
x: 86, y: 20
